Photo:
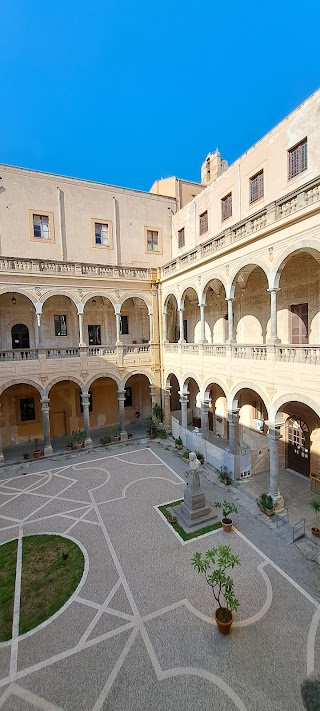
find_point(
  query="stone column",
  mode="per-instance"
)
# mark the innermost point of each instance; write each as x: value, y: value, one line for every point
x: 202, y: 324
x: 184, y: 409
x: 1, y: 452
x: 47, y: 447
x: 85, y: 399
x: 38, y: 327
x: 205, y: 418
x: 230, y: 338
x: 153, y: 396
x: 80, y: 317
x: 164, y: 327
x: 118, y: 339
x: 167, y: 408
x: 151, y: 327
x: 233, y: 420
x: 121, y: 399
x: 274, y: 436
x: 273, y: 317
x: 181, y: 338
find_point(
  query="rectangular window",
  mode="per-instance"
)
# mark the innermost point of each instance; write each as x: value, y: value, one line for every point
x: 90, y: 402
x: 256, y: 187
x: 181, y: 241
x: 94, y: 335
x: 226, y: 207
x: 41, y: 226
x: 101, y: 232
x: 124, y: 325
x: 60, y: 325
x: 152, y: 240
x: 298, y: 159
x: 203, y: 223
x: 27, y: 409
x: 299, y: 323
x: 128, y: 398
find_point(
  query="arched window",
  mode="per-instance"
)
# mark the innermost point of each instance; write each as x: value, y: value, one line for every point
x: 20, y: 336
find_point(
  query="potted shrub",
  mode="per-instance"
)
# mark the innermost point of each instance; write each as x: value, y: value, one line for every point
x: 36, y: 451
x: 116, y: 433
x: 69, y: 445
x: 77, y: 437
x: 265, y: 503
x: 213, y: 565
x: 178, y: 443
x: 227, y: 509
x: 200, y: 457
x: 224, y: 476
x: 26, y: 455
x: 105, y: 440
x: 315, y: 506
x: 151, y: 427
x: 186, y: 454
x: 157, y: 412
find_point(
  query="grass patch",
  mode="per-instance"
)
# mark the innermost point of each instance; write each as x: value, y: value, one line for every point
x: 165, y: 510
x: 8, y: 556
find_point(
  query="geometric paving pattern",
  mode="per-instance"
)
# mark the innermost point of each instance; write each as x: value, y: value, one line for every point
x: 137, y: 633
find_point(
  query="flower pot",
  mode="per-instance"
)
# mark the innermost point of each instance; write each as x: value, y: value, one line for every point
x: 223, y: 627
x: 152, y: 436
x: 116, y: 438
x: 268, y: 512
x: 37, y: 453
x: 179, y: 446
x: 227, y: 524
x: 172, y: 519
x: 77, y: 445
x: 315, y: 531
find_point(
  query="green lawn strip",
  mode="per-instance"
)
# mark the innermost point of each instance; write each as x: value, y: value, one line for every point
x: 8, y: 557
x: 47, y: 579
x: 165, y: 510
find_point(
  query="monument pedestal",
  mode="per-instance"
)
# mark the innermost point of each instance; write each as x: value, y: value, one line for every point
x: 194, y: 513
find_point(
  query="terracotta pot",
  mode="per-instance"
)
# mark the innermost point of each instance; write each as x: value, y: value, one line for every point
x: 152, y: 436
x: 37, y: 453
x: 172, y: 519
x: 223, y: 627
x: 315, y: 531
x: 227, y: 524
x: 77, y: 445
x: 268, y: 512
x: 116, y: 438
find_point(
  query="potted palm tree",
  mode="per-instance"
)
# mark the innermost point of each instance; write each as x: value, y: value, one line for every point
x: 116, y: 433
x: 157, y: 412
x: 151, y: 428
x: 36, y: 451
x: 213, y: 565
x: 227, y: 509
x: 315, y: 506
x: 77, y: 436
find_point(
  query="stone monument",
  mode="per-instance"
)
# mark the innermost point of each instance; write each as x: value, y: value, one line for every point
x: 194, y: 513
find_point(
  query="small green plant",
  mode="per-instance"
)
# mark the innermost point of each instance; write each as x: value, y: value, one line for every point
x: 77, y: 435
x: 26, y: 455
x: 179, y: 443
x: 314, y: 504
x: 116, y: 431
x: 105, y: 440
x: 69, y: 444
x: 265, y: 502
x: 213, y: 565
x: 186, y: 454
x: 224, y: 476
x: 157, y: 411
x: 36, y: 445
x: 162, y: 434
x: 227, y: 508
x: 200, y: 457
x: 152, y: 427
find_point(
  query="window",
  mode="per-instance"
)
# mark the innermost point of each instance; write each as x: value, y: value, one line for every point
x: 299, y: 323
x: 181, y: 240
x: 41, y: 226
x: 203, y: 223
x: 152, y: 241
x: 256, y: 187
x: 226, y: 207
x: 298, y: 159
x: 94, y: 335
x: 90, y: 402
x: 101, y: 232
x: 128, y: 398
x: 60, y: 325
x: 27, y: 409
x: 124, y: 326
x: 20, y: 336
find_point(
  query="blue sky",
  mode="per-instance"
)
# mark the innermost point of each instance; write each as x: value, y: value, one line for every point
x: 127, y: 92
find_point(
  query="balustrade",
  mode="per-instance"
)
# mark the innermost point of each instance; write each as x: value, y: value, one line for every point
x: 55, y: 267
x: 27, y: 354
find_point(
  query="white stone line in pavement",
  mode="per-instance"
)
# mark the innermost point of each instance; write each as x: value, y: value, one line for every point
x: 188, y: 671
x: 167, y: 466
x: 48, y: 502
x: 136, y: 464
x: 46, y: 518
x: 131, y: 483
x: 116, y: 613
x: 99, y: 614
x: 16, y: 608
x: 115, y: 671
x: 19, y: 493
x: 311, y: 643
x: 98, y: 469
x: 9, y: 518
x: 36, y: 485
x: 88, y: 603
x: 77, y: 520
x: 37, y: 701
x: 181, y: 541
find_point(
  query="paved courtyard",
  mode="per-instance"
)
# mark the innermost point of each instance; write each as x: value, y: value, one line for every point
x: 137, y: 634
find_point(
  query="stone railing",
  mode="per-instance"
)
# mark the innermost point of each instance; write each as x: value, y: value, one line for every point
x: 26, y: 354
x: 36, y: 266
x: 214, y: 350
x: 145, y: 348
x: 282, y: 353
x: 62, y: 352
x: 253, y: 352
x: 91, y: 351
x: 298, y: 354
x: 304, y: 196
x: 101, y: 350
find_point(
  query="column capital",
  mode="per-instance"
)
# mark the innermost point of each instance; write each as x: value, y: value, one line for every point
x: 121, y: 394
x: 274, y: 430
x: 229, y: 298
x: 274, y: 289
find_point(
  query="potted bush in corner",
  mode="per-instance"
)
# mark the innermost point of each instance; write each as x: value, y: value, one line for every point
x: 265, y: 503
x: 77, y: 436
x: 315, y: 506
x: 116, y: 433
x: 151, y: 427
x: 36, y: 451
x: 178, y: 443
x: 227, y: 509
x: 213, y: 565
x: 224, y: 476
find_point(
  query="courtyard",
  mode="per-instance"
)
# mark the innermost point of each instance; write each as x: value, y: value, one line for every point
x: 137, y: 633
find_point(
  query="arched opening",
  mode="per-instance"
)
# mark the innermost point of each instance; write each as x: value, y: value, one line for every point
x: 253, y: 430
x: 175, y: 406
x: 299, y: 448
x: 217, y: 413
x: 21, y: 416
x: 191, y: 317
x: 59, y: 323
x: 137, y: 405
x: 65, y: 408
x: 134, y: 321
x: 298, y: 300
x: 99, y: 322
x: 17, y: 322
x: 172, y: 319
x: 251, y: 306
x: 194, y: 405
x: 20, y: 336
x: 216, y: 312
x: 104, y: 411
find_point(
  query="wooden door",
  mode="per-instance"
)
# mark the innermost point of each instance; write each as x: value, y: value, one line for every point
x: 298, y: 438
x: 299, y: 323
x: 58, y: 424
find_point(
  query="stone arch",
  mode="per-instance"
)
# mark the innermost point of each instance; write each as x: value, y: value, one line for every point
x: 213, y: 277
x: 170, y: 372
x: 139, y: 371
x: 299, y: 246
x: 135, y: 296
x: 166, y: 299
x: 250, y: 266
x: 96, y: 376
x: 184, y: 388
x: 23, y: 381
x: 213, y: 381
x: 66, y: 378
x: 181, y: 301
x: 98, y: 292
x: 58, y: 293
x: 248, y: 386
x: 293, y: 397
x: 18, y: 290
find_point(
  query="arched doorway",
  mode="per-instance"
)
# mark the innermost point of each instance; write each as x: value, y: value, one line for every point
x: 251, y: 306
x: 194, y: 405
x: 65, y: 408
x: 191, y: 316
x: 137, y: 404
x: 217, y: 413
x: 298, y: 444
x: 20, y: 336
x: 21, y: 414
x: 134, y: 321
